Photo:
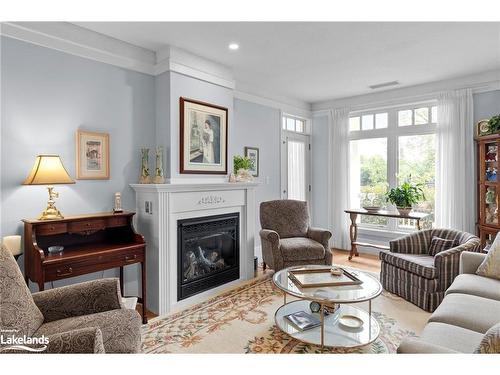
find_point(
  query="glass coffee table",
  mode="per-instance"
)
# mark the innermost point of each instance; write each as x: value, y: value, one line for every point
x: 334, y: 298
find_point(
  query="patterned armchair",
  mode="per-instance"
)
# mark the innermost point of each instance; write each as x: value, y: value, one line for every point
x: 287, y: 239
x: 409, y: 271
x: 81, y: 318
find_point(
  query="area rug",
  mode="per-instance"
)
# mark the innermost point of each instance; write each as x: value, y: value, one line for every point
x: 242, y: 321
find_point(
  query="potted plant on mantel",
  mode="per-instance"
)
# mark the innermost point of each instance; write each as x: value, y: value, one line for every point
x: 241, y: 168
x: 405, y: 196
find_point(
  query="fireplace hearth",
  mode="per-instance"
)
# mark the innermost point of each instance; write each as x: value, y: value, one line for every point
x: 208, y: 253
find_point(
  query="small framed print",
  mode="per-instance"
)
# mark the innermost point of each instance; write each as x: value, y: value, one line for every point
x: 203, y: 137
x: 253, y: 154
x: 92, y: 155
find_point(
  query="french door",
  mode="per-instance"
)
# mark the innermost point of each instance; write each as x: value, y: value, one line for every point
x: 295, y: 166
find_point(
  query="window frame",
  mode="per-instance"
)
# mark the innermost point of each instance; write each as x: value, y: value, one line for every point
x: 392, y: 134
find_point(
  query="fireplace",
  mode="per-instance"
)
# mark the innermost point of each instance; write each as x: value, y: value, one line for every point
x: 208, y: 253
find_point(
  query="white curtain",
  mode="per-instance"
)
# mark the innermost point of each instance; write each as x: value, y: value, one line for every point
x: 338, y: 176
x: 455, y: 179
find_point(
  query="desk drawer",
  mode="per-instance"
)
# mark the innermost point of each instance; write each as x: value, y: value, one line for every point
x: 50, y: 229
x: 119, y: 221
x: 92, y: 263
x: 87, y: 225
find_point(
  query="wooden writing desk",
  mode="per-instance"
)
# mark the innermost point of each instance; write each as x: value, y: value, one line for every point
x: 91, y: 243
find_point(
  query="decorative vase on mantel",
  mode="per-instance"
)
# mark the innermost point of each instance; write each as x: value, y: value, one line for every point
x: 244, y: 175
x: 159, y: 175
x: 145, y: 178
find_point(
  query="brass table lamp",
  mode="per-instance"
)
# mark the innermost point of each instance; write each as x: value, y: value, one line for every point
x: 49, y: 170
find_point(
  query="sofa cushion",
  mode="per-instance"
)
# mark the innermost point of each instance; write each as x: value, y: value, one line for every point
x: 490, y: 344
x: 476, y: 285
x: 120, y: 329
x: 17, y: 309
x: 422, y: 265
x: 440, y: 244
x: 456, y: 338
x: 490, y: 267
x: 467, y: 311
x: 301, y: 248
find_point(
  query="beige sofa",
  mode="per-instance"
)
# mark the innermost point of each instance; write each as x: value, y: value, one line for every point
x: 470, y: 308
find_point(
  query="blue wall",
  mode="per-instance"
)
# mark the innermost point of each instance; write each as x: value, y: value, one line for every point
x: 46, y: 96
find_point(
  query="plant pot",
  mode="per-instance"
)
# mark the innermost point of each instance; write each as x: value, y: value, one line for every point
x: 404, y: 211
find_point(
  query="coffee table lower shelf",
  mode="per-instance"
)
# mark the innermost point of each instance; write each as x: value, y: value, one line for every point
x: 335, y: 335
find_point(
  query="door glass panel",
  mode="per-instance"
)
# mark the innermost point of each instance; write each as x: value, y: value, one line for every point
x: 296, y: 170
x: 491, y: 162
x: 290, y: 124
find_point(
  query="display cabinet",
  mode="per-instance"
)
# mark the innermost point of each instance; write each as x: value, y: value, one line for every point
x: 488, y: 187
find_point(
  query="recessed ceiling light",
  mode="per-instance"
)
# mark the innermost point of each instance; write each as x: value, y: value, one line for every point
x: 234, y: 46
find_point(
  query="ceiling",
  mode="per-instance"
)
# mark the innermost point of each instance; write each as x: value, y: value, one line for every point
x: 316, y: 61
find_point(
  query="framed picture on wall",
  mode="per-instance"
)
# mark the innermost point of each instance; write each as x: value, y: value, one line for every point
x: 253, y: 154
x: 203, y: 137
x: 92, y: 155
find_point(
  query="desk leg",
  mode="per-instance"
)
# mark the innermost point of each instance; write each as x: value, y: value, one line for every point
x: 121, y: 281
x: 322, y: 318
x: 353, y: 232
x: 143, y: 282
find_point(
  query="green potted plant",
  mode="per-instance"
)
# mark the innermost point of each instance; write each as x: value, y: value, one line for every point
x: 494, y: 124
x: 241, y: 168
x: 405, y: 196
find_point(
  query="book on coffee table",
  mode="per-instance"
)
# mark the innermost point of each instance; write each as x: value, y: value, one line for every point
x: 302, y: 320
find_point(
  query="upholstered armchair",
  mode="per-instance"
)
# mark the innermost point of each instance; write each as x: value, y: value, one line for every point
x: 409, y: 271
x: 287, y: 239
x: 81, y: 318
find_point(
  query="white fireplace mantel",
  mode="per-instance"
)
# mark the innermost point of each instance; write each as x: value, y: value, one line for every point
x: 158, y: 208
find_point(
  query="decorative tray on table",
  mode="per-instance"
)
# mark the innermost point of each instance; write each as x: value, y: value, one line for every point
x: 318, y: 277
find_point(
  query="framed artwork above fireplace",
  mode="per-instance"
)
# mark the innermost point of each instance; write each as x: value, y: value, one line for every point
x: 203, y: 137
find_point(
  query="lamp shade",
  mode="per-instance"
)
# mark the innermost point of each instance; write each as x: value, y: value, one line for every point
x: 48, y: 170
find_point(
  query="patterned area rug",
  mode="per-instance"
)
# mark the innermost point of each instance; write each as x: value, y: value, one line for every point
x: 242, y: 321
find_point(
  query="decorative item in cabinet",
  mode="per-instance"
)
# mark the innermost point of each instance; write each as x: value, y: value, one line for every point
x: 491, y: 205
x: 491, y: 152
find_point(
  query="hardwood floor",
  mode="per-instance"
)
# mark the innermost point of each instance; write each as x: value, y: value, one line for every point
x: 367, y: 262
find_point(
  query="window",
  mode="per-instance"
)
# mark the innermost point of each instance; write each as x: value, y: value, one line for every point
x: 387, y: 147
x: 369, y: 175
x: 294, y: 124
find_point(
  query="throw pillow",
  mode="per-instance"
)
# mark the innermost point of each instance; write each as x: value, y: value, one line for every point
x: 440, y: 244
x: 490, y: 344
x: 490, y: 267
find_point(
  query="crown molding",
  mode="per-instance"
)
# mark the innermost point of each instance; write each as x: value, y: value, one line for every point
x: 297, y: 109
x: 174, y: 59
x: 76, y: 40
x: 480, y: 82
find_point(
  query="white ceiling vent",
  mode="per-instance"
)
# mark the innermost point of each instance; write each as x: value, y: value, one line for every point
x: 384, y: 84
